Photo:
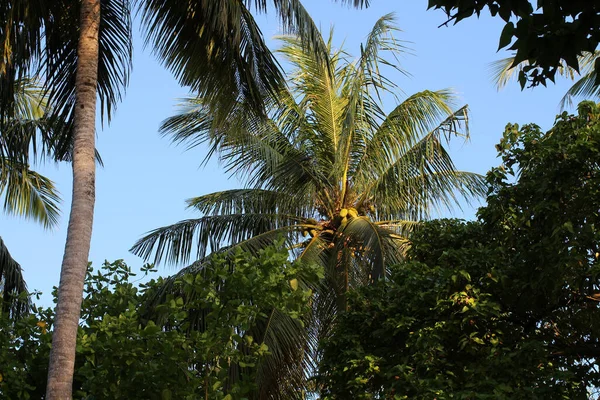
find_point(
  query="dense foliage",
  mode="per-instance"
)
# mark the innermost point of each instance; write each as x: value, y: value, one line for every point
x: 121, y: 354
x: 545, y: 36
x: 505, y: 307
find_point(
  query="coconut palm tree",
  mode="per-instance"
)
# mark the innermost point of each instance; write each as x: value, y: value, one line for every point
x: 334, y: 174
x: 586, y: 81
x: 24, y: 135
x: 84, y: 51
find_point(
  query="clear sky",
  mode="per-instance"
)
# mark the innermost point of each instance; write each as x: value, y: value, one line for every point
x: 146, y: 179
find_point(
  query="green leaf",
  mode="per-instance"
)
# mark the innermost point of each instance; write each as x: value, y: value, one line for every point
x: 506, y: 35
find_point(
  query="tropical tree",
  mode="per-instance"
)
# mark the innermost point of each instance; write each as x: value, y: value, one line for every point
x: 84, y: 50
x: 24, y: 136
x: 503, y: 307
x: 330, y: 171
x: 585, y: 86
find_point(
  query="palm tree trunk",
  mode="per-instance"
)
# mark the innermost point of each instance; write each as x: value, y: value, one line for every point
x: 79, y: 233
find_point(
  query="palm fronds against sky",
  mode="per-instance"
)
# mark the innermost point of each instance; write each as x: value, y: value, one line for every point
x: 330, y: 171
x: 327, y: 147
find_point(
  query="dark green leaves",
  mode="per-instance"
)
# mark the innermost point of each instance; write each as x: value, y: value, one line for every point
x: 14, y: 298
x: 552, y: 33
x: 506, y: 35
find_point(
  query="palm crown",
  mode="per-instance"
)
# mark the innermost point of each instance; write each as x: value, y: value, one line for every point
x: 328, y: 162
x: 331, y: 172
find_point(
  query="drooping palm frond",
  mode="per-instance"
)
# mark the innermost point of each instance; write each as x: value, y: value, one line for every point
x: 59, y: 62
x: 24, y: 137
x: 13, y: 290
x: 280, y: 374
x: 25, y: 132
x: 585, y: 87
x: 220, y: 54
x: 18, y: 47
x: 197, y: 237
x: 28, y: 193
x: 250, y: 147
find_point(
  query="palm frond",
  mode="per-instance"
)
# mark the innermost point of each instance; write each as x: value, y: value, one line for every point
x: 248, y: 146
x: 503, y: 71
x: 421, y: 177
x: 60, y: 59
x: 253, y: 201
x: 25, y: 132
x: 363, y: 87
x: 14, y: 298
x: 369, y: 242
x: 280, y: 375
x: 584, y: 88
x: 20, y: 43
x: 403, y: 127
x: 317, y: 88
x: 28, y: 193
x: 221, y: 55
x: 196, y: 237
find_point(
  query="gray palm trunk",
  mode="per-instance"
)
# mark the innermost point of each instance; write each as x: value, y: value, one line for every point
x: 79, y: 233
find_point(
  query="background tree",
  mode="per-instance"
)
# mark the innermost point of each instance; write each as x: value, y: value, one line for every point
x: 84, y: 50
x: 506, y: 307
x: 552, y: 33
x: 330, y: 171
x: 121, y: 354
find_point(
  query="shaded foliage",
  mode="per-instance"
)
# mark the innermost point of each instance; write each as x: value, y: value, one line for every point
x: 505, y: 307
x: 122, y: 354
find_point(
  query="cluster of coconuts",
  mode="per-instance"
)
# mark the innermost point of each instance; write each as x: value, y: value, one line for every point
x: 347, y: 213
x: 339, y: 220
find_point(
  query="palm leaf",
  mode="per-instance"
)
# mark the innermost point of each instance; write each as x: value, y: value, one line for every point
x: 420, y: 177
x: 220, y: 55
x: 255, y: 201
x: 503, y: 71
x: 415, y: 117
x: 13, y: 290
x: 196, y: 237
x: 60, y: 62
x: 29, y: 194
x: 248, y: 146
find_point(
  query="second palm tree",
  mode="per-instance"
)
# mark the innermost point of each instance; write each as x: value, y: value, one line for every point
x: 330, y: 171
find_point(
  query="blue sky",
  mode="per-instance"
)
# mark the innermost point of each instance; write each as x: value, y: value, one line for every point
x: 146, y: 179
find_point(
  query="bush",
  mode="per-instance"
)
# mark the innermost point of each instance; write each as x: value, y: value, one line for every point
x: 128, y: 347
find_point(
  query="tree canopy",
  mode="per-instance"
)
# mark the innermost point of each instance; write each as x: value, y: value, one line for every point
x: 121, y: 353
x: 545, y: 36
x: 504, y: 307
